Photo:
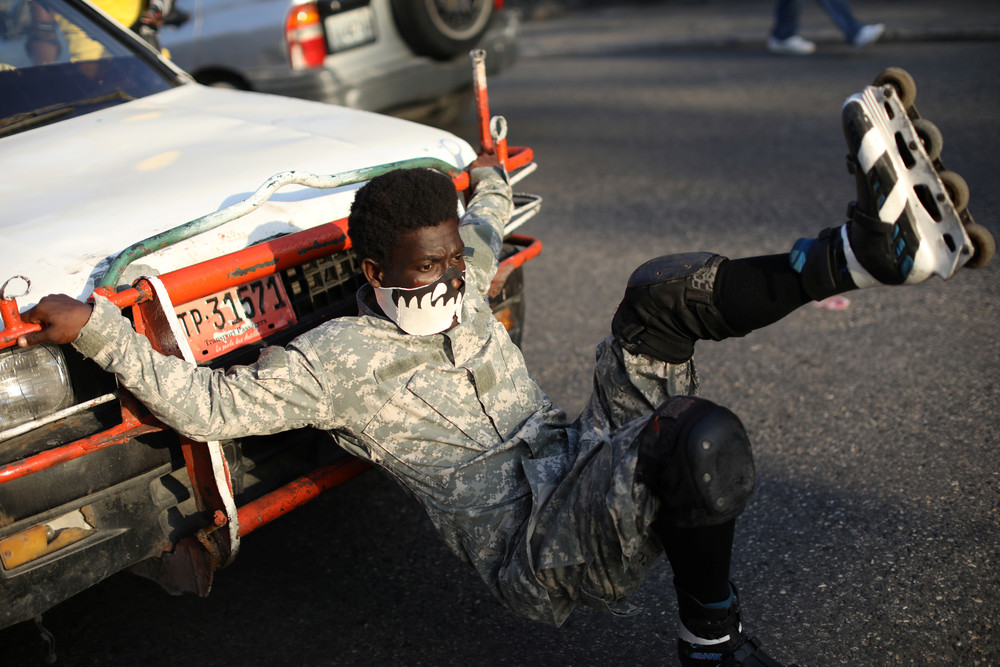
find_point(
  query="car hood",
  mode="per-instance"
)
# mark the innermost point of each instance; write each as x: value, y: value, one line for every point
x: 77, y: 192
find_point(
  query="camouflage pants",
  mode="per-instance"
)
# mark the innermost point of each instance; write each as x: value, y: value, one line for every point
x: 589, y: 540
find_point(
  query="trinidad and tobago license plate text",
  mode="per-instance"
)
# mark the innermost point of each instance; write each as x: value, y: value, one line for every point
x: 234, y: 317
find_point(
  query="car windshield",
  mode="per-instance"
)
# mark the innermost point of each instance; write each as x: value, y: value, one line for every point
x: 59, y: 60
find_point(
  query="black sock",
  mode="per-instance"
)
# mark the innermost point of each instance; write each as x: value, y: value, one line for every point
x: 700, y: 558
x: 756, y: 291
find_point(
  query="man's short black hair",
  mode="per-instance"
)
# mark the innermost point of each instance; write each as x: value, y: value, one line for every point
x: 395, y: 203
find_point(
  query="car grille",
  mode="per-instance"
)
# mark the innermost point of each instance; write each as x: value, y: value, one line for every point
x: 326, y: 287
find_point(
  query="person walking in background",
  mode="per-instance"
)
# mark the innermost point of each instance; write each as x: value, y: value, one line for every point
x: 784, y: 38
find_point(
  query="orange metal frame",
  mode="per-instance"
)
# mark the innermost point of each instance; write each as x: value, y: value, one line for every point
x: 190, y: 283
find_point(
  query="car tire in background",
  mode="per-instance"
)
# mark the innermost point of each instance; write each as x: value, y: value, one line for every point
x: 220, y: 79
x: 442, y: 29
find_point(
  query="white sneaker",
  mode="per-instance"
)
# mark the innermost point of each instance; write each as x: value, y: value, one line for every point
x: 868, y: 35
x: 792, y: 46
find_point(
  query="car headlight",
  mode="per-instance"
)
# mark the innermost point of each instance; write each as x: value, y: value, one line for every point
x: 34, y: 382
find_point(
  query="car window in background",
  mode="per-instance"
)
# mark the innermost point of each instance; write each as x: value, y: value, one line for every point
x: 57, y: 62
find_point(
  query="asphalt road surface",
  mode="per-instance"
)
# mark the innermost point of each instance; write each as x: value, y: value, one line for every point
x: 873, y: 536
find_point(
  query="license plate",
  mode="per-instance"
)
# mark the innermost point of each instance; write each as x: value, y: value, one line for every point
x: 349, y: 29
x: 234, y: 317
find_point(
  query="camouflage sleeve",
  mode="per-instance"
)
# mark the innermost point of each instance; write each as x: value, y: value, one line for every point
x: 284, y: 389
x: 482, y: 226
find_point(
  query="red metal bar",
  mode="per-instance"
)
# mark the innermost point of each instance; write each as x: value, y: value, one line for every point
x: 263, y: 259
x: 482, y: 101
x: 502, y: 154
x: 519, y: 156
x: 532, y: 247
x: 13, y: 325
x: 201, y: 473
x: 115, y: 435
x: 270, y: 506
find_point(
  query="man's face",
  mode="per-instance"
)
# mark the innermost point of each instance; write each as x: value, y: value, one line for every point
x: 422, y: 286
x: 421, y: 257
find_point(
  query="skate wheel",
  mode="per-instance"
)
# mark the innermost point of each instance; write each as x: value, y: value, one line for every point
x: 984, y: 244
x: 930, y: 137
x: 900, y: 79
x: 958, y: 189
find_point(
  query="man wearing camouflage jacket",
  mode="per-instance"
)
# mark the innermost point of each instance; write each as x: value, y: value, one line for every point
x: 551, y: 513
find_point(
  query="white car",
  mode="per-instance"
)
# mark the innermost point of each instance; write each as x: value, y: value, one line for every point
x: 214, y: 218
x: 406, y: 57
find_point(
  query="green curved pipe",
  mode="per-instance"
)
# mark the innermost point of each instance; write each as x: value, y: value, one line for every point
x: 263, y: 193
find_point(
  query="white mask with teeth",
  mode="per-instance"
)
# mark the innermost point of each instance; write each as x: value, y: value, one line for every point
x: 422, y: 311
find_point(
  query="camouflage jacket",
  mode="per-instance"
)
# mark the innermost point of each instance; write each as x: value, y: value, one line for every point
x: 454, y: 417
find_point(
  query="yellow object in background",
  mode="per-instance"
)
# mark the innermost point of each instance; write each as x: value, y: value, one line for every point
x: 125, y: 12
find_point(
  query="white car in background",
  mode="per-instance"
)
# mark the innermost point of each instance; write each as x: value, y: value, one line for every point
x: 406, y: 57
x: 214, y: 219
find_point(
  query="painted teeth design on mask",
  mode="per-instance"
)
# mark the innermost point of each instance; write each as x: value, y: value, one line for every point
x: 425, y: 310
x: 439, y: 291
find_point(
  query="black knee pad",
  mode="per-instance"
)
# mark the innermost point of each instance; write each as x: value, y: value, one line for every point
x: 696, y: 458
x: 668, y: 305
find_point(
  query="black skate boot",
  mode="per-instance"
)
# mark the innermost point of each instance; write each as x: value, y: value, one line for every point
x: 910, y: 220
x: 713, y: 636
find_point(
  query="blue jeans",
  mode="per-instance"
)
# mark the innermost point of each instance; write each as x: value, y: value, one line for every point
x: 786, y: 18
